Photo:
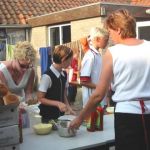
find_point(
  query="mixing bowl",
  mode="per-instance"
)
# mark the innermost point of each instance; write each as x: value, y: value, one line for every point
x: 62, y: 126
x: 42, y: 129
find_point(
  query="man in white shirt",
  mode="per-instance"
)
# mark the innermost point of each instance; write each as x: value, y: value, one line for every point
x: 91, y: 62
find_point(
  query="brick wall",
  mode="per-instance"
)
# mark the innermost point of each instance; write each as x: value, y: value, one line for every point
x: 81, y: 28
x: 39, y: 39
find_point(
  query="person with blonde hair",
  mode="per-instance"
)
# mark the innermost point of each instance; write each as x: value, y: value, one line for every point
x: 127, y: 66
x: 19, y: 74
x: 52, y: 92
x: 89, y: 73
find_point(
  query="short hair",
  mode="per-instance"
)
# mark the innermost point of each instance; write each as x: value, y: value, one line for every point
x: 61, y: 52
x: 98, y: 32
x: 24, y: 50
x: 123, y: 20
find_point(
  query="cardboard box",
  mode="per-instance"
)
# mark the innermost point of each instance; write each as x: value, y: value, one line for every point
x: 9, y: 135
x: 11, y: 147
x: 8, y: 115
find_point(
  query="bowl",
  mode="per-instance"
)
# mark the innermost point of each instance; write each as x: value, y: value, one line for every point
x: 11, y: 99
x: 42, y: 129
x: 63, y: 129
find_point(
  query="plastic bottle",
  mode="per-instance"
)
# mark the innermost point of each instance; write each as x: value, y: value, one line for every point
x: 99, y: 119
x: 91, y: 122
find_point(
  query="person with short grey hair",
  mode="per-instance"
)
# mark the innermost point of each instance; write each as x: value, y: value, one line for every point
x: 92, y: 61
x: 98, y: 32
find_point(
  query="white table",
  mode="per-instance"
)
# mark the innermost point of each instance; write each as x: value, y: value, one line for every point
x: 83, y: 139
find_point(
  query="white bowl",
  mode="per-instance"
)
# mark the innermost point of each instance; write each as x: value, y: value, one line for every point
x: 42, y: 129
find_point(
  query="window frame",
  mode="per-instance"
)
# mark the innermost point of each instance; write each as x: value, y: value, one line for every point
x: 60, y: 32
x: 141, y: 24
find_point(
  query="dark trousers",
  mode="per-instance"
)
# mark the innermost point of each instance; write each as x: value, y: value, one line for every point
x: 129, y: 131
x: 72, y: 92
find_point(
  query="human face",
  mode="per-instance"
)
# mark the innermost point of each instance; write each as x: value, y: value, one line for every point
x: 66, y: 63
x: 25, y: 64
x: 103, y: 42
x: 99, y: 42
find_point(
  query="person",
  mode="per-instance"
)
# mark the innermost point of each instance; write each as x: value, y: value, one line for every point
x: 72, y: 88
x: 52, y: 92
x: 84, y: 47
x: 19, y: 74
x: 89, y: 73
x: 84, y: 41
x: 127, y: 66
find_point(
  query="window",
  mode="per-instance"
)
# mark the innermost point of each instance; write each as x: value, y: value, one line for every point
x: 16, y: 35
x: 143, y: 30
x: 59, y: 34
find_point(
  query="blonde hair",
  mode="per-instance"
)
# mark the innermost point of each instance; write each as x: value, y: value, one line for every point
x: 24, y: 50
x: 123, y: 20
x: 98, y: 32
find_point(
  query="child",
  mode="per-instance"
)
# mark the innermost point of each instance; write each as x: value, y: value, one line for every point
x: 53, y: 86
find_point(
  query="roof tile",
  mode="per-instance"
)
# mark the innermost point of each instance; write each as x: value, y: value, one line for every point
x: 18, y: 11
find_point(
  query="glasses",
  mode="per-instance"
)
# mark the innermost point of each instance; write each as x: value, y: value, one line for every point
x: 25, y: 66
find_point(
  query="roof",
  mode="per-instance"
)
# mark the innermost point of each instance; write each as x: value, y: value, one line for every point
x: 19, y: 11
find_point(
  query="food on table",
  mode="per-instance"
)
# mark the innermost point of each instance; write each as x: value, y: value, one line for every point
x: 42, y: 129
x: 10, y: 99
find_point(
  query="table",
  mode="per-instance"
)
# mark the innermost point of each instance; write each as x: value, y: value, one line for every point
x: 83, y: 139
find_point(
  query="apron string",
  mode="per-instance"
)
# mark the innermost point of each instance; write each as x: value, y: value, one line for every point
x: 143, y: 122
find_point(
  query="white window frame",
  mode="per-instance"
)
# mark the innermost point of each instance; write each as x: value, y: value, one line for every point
x: 141, y: 24
x: 60, y: 31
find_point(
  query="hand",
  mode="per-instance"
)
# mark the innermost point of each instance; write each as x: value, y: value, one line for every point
x: 70, y: 111
x: 32, y: 101
x: 62, y: 107
x: 75, y: 124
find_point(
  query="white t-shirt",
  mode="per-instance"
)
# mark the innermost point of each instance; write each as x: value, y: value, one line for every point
x: 90, y: 67
x: 131, y: 69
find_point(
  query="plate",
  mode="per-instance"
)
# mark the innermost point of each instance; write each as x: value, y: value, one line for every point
x: 110, y: 109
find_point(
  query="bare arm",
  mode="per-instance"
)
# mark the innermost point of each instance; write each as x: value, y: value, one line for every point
x: 2, y: 78
x: 41, y: 98
x: 99, y: 92
x: 88, y: 84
